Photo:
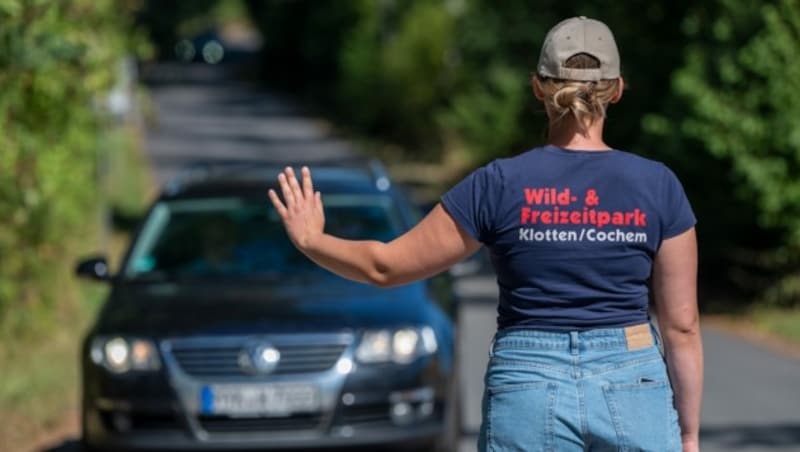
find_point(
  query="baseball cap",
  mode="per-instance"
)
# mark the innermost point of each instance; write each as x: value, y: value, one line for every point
x: 579, y: 35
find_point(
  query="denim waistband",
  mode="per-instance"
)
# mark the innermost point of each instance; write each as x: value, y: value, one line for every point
x: 598, y: 338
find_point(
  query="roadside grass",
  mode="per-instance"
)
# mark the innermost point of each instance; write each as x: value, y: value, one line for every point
x: 772, y: 327
x: 128, y: 179
x: 39, y: 382
x: 39, y: 371
x: 781, y: 322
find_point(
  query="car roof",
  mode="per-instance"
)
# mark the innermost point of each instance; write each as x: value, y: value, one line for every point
x: 253, y: 178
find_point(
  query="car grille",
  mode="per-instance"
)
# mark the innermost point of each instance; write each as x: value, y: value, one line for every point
x: 225, y: 424
x: 221, y: 359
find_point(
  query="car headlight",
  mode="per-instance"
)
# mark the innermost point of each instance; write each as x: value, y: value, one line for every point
x: 402, y: 346
x: 375, y: 347
x: 120, y: 355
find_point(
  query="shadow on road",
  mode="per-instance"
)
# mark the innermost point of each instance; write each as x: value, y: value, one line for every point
x: 734, y: 437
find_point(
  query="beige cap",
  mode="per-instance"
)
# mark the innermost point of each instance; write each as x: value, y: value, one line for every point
x: 579, y: 35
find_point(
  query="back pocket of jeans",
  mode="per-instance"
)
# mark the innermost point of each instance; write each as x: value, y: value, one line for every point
x: 520, y: 417
x: 642, y: 415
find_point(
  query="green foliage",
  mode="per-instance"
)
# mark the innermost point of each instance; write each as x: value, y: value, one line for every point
x: 413, y: 72
x: 361, y: 75
x: 167, y: 21
x: 56, y: 59
x: 741, y: 81
x: 41, y: 376
x: 395, y: 70
x: 415, y: 65
x: 784, y: 323
x: 486, y: 117
x: 303, y: 40
x: 745, y: 95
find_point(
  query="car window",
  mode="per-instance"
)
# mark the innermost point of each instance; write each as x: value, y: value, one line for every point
x: 244, y: 238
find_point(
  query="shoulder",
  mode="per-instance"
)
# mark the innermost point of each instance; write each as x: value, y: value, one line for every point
x: 639, y: 161
x: 522, y: 161
x: 643, y: 168
x: 492, y: 172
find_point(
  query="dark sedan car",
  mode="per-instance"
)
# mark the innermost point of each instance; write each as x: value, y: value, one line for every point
x: 218, y: 334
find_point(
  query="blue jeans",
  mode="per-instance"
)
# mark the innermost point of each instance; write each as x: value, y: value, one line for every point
x: 597, y: 390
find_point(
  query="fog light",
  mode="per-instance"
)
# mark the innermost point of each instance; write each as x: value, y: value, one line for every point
x: 402, y: 414
x: 425, y: 409
x: 121, y: 422
x: 348, y: 398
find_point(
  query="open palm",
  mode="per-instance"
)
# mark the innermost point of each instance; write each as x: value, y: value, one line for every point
x: 302, y: 214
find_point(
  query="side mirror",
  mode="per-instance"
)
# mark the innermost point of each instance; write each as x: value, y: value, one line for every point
x: 95, y: 268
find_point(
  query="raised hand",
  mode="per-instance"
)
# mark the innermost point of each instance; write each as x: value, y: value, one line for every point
x: 302, y: 213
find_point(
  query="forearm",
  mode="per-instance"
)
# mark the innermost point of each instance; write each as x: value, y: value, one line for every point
x: 357, y: 260
x: 430, y: 247
x: 684, y: 354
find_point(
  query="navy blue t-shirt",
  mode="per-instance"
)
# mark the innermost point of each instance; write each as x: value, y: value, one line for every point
x: 572, y: 234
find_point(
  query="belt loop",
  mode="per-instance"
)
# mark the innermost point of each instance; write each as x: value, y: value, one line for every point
x: 657, y: 337
x: 573, y: 342
x: 654, y: 332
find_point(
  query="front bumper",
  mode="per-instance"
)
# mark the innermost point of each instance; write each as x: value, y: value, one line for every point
x: 184, y: 439
x: 162, y: 412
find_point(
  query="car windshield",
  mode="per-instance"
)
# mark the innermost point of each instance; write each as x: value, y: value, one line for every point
x: 240, y: 238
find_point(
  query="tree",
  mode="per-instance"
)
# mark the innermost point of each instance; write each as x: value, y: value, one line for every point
x: 56, y: 60
x: 741, y: 82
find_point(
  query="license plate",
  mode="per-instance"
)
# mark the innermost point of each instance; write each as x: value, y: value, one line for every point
x: 275, y: 399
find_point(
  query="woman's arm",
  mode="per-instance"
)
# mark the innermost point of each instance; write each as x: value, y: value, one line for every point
x: 675, y: 290
x: 432, y: 246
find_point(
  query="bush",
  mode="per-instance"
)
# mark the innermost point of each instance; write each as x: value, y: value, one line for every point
x: 741, y: 81
x: 56, y: 61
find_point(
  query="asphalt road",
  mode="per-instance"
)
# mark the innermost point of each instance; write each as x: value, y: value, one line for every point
x: 201, y: 114
x: 752, y: 402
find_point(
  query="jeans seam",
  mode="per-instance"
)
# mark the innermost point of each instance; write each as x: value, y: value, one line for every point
x: 623, y: 365
x: 582, y: 413
x: 565, y: 346
x: 521, y: 363
x: 517, y: 387
x: 615, y: 419
x: 515, y: 345
x: 488, y: 420
x: 552, y: 393
x: 670, y: 424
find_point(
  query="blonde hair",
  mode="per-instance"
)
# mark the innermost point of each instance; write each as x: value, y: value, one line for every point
x: 586, y: 102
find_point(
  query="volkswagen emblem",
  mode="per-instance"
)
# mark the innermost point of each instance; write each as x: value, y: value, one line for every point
x: 259, y: 358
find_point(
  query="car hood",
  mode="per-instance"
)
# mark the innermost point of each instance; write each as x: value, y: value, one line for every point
x: 207, y: 309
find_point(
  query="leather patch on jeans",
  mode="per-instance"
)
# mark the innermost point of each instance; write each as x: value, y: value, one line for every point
x: 638, y: 336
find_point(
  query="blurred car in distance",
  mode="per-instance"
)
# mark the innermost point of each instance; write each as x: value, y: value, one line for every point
x: 217, y: 333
